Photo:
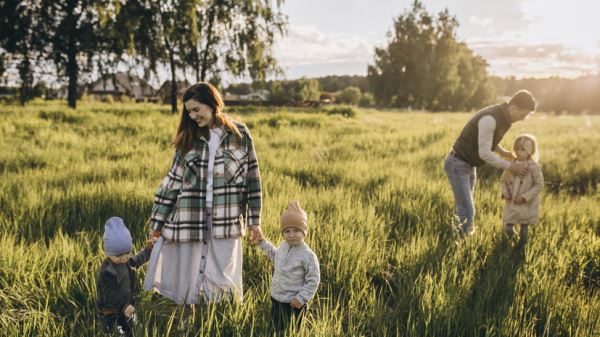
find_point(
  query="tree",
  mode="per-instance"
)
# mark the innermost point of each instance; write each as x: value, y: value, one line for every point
x: 335, y: 83
x: 208, y: 37
x: 236, y: 36
x: 350, y: 95
x: 425, y: 67
x: 401, y: 69
x: 294, y: 91
x: 74, y: 34
x: 158, y: 32
x: 20, y: 39
x: 366, y: 99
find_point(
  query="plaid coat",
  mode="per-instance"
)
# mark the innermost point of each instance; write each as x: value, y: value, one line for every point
x: 180, y: 201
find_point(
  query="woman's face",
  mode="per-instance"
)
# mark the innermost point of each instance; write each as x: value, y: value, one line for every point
x: 201, y: 113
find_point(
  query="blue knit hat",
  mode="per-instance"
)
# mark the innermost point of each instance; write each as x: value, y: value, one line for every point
x: 117, y: 239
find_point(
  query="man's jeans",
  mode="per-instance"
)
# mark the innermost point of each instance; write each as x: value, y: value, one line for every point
x: 462, y: 178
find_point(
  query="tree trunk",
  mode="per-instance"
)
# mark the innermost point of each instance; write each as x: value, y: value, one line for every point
x: 72, y: 68
x: 26, y: 78
x: 173, y: 78
x: 211, y: 20
x: 197, y: 64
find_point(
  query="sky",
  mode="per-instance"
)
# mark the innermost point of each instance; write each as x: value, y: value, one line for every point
x: 521, y: 38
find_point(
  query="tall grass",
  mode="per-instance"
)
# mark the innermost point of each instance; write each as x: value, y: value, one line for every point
x: 379, y: 212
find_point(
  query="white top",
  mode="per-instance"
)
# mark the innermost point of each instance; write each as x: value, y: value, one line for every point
x: 487, y: 126
x: 213, y: 145
x: 194, y: 272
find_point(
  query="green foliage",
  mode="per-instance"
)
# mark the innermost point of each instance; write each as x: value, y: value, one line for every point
x: 335, y: 83
x: 379, y: 208
x: 366, y: 99
x: 560, y: 95
x: 424, y: 66
x: 294, y: 91
x: 342, y: 111
x: 350, y: 95
x: 20, y: 38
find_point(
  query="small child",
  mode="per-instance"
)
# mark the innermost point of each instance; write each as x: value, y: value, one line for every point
x: 296, y: 274
x: 116, y: 280
x: 522, y: 194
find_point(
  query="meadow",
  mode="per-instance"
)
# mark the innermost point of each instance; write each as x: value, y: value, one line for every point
x: 379, y: 207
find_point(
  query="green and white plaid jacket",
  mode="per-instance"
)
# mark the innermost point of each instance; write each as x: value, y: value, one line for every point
x: 180, y: 201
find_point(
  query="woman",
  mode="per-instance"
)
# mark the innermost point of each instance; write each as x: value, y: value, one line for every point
x: 211, y: 192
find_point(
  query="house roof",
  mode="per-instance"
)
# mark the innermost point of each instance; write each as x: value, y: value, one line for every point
x: 181, y: 86
x: 123, y: 83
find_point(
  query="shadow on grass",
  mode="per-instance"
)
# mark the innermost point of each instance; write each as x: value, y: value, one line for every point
x: 401, y: 288
x: 492, y: 293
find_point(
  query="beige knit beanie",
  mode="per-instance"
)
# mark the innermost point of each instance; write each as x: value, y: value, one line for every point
x: 294, y: 217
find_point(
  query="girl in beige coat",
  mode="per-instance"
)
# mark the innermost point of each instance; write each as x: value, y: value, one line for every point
x: 522, y: 194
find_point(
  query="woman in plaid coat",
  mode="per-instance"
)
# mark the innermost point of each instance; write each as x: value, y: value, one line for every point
x: 211, y: 192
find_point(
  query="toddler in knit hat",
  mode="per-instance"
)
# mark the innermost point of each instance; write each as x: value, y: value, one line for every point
x: 296, y: 273
x: 116, y: 279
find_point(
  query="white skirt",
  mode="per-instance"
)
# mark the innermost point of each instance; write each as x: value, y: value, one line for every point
x: 194, y: 272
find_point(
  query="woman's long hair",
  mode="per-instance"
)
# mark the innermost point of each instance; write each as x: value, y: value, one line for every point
x: 188, y: 130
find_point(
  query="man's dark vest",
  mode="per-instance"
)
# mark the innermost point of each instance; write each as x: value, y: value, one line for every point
x: 466, y: 147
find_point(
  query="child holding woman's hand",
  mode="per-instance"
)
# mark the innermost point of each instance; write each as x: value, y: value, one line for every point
x: 116, y: 279
x: 296, y: 274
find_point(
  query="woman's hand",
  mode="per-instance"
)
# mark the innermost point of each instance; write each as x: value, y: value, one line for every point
x: 519, y: 200
x: 506, y: 196
x: 154, y: 234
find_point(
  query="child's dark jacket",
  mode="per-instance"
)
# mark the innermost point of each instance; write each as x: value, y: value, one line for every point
x: 116, y: 283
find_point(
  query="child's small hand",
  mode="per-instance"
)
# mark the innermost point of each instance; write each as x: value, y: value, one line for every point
x: 519, y: 200
x: 129, y: 311
x: 257, y: 236
x: 150, y: 243
x: 154, y: 234
x: 296, y: 304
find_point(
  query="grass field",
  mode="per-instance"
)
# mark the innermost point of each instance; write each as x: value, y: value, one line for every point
x: 379, y: 211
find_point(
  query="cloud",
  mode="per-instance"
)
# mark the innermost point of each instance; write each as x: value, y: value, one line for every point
x: 523, y: 59
x: 306, y: 45
x: 483, y: 22
x: 575, y: 24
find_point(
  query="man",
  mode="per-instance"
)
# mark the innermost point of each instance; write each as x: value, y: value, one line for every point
x: 476, y: 145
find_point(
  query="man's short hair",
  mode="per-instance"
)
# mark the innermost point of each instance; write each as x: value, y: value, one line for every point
x: 523, y: 99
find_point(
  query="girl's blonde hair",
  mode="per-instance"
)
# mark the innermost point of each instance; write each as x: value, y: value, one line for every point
x: 188, y: 129
x: 528, y: 142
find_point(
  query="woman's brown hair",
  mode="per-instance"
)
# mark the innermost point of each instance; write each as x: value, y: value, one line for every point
x: 188, y: 130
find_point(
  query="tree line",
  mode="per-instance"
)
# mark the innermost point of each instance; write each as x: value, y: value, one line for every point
x: 423, y: 66
x: 555, y: 94
x: 77, y: 37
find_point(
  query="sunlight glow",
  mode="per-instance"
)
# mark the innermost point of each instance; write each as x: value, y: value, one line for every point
x: 573, y: 23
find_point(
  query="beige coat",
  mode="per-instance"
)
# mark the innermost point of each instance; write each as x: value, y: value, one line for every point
x: 529, y: 187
